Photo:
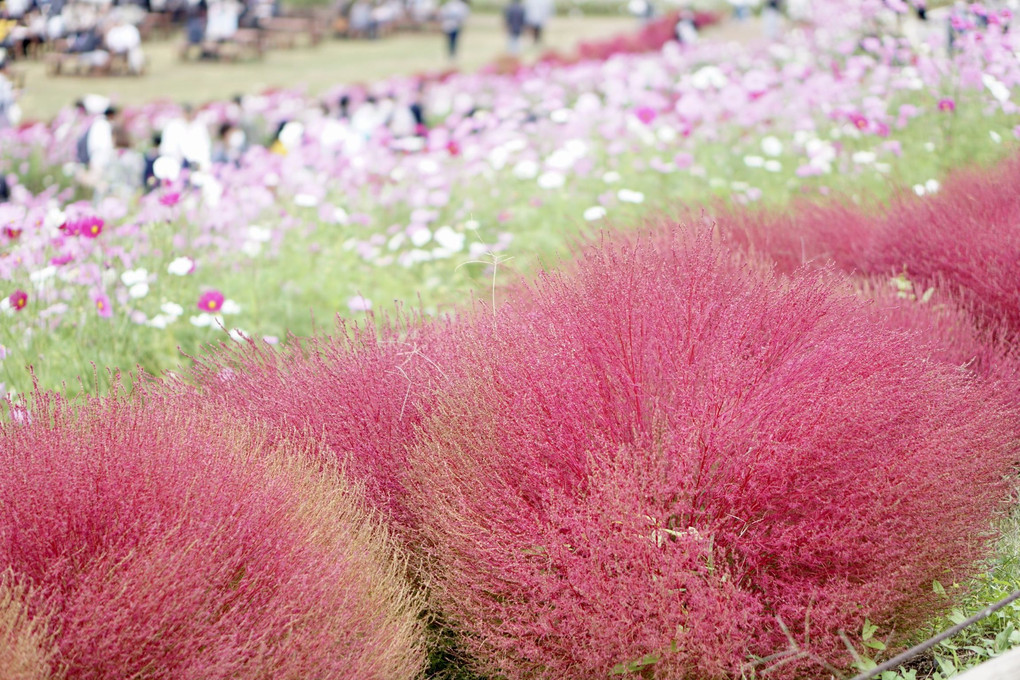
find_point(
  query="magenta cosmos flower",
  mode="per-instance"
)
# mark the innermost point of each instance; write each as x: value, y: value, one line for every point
x: 18, y: 299
x: 947, y: 104
x: 90, y: 227
x: 210, y: 301
x: 646, y: 114
x: 103, y: 307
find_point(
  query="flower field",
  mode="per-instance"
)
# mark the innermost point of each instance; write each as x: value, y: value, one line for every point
x: 689, y: 362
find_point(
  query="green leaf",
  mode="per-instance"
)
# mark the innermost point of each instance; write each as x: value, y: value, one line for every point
x: 956, y: 616
x: 875, y: 644
x: 869, y: 630
x: 865, y: 664
x: 937, y: 588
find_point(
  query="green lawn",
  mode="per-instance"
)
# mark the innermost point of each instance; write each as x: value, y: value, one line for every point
x: 335, y: 61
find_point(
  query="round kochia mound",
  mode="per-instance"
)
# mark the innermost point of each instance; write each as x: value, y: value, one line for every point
x: 156, y: 541
x: 667, y: 458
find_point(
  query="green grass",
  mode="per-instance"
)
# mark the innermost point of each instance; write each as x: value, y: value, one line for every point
x: 317, y: 69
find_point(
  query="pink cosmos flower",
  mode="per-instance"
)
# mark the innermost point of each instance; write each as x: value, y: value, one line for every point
x: 170, y: 198
x: 103, y: 306
x: 90, y: 227
x: 61, y: 259
x: 211, y: 301
x: 859, y: 121
x: 683, y: 160
x: 18, y: 300
x: 646, y: 114
x: 12, y: 233
x: 947, y: 105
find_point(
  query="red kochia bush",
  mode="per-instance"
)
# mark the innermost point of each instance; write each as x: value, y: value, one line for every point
x: 361, y: 393
x: 667, y: 451
x: 161, y: 542
x: 964, y: 238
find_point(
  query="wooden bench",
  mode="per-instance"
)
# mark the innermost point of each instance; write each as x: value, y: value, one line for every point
x: 286, y: 31
x: 156, y: 25
x: 246, y: 43
x: 69, y: 64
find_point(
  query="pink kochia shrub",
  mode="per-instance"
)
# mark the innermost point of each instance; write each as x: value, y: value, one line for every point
x: 155, y: 541
x: 361, y: 393
x: 665, y: 453
x: 964, y: 238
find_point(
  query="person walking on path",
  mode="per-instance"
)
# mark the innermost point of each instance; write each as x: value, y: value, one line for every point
x: 536, y: 14
x: 514, y: 16
x: 452, y: 16
x: 772, y: 17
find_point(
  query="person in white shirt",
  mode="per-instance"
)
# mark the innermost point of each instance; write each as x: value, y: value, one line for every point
x: 452, y: 16
x: 124, y: 39
x: 8, y: 97
x: 100, y: 141
x: 222, y: 23
x: 536, y: 15
x: 187, y: 140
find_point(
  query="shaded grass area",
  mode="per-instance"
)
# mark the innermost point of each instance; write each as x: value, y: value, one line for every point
x: 317, y: 69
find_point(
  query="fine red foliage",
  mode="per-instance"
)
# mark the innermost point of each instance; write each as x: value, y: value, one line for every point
x: 964, y: 237
x: 162, y: 542
x: 361, y: 393
x: 663, y: 454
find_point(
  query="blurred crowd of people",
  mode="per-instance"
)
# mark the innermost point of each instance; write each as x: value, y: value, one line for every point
x: 97, y: 30
x: 109, y: 162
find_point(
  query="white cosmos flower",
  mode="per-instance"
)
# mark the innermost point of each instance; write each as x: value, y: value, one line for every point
x: 428, y: 166
x: 54, y: 218
x: 551, y: 180
x: 237, y: 335
x: 995, y: 87
x: 611, y: 177
x: 629, y: 196
x: 40, y: 276
x: 596, y: 212
x: 160, y: 321
x: 230, y: 307
x: 526, y: 170
x: 773, y: 165
x: 864, y: 157
x: 259, y: 234
x: 771, y: 146
x: 420, y: 237
x: 448, y: 239
x: 931, y: 186
x: 172, y: 309
x: 251, y: 248
x: 560, y: 116
x: 306, y: 200
x: 139, y: 290
x: 166, y: 168
x: 996, y: 137
x: 181, y: 266
x: 666, y: 134
x: 134, y: 276
x: 754, y: 161
x: 919, y: 189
